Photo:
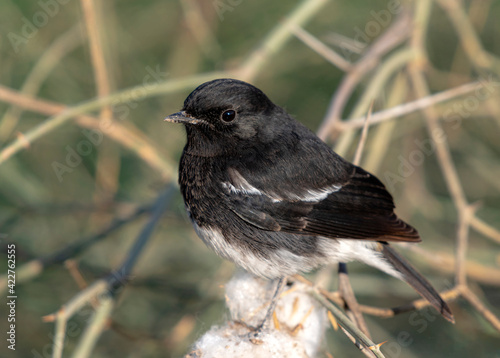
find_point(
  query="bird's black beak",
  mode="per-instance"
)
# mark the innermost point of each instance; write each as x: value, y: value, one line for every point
x: 181, y: 117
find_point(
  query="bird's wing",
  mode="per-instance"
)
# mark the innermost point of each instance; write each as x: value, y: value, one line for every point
x: 359, y: 207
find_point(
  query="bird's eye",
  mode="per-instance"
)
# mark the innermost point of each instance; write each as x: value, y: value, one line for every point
x: 228, y: 116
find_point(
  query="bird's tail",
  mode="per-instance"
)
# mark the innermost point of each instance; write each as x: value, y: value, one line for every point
x: 417, y: 281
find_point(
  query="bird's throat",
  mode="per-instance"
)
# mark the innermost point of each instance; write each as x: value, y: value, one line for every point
x: 201, y: 144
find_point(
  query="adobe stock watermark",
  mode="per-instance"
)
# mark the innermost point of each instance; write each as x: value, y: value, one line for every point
x: 380, y: 20
x: 420, y: 320
x: 30, y: 27
x: 121, y: 108
x: 223, y: 6
x: 453, y: 116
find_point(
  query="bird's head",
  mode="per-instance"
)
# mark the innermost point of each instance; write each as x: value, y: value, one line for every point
x: 225, y: 113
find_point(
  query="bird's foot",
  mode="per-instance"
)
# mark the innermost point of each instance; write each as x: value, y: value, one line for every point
x: 255, y: 336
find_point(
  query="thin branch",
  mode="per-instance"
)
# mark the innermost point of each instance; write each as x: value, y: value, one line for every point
x: 465, y: 216
x: 345, y: 287
x: 446, y: 263
x: 35, y: 267
x: 121, y: 96
x: 159, y: 207
x: 95, y: 31
x: 468, y: 37
x: 94, y: 329
x: 60, y: 334
x: 351, y: 305
x: 129, y: 138
x: 380, y: 142
x: 411, y: 107
x: 481, y: 308
x: 196, y: 21
x: 321, y: 49
x: 449, y: 295
x: 278, y: 37
x: 465, y: 211
x: 366, y: 352
x: 107, y: 163
x: 68, y: 310
x: 79, y: 300
x: 72, y: 267
x: 49, y: 60
x: 103, y: 288
x: 470, y: 41
x: 478, y: 13
x: 345, y: 43
x: 485, y: 229
x: 393, y: 36
x: 436, y: 132
x: 346, y: 323
x: 390, y: 66
x: 362, y: 139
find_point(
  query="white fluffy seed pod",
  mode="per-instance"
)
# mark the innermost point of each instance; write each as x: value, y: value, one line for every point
x: 302, y: 323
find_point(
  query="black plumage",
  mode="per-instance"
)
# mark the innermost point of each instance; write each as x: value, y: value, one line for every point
x: 265, y: 192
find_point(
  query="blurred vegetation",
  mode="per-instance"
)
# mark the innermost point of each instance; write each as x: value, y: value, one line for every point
x: 174, y: 293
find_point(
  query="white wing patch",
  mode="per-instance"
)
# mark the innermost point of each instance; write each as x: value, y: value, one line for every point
x: 243, y: 187
x: 239, y: 185
x: 315, y: 194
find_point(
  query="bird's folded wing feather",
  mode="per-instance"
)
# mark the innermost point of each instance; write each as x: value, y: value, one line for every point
x: 358, y: 208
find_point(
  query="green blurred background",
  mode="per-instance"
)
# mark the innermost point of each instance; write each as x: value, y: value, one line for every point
x: 175, y: 293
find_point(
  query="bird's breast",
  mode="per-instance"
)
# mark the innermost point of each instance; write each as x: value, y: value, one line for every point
x: 199, y: 181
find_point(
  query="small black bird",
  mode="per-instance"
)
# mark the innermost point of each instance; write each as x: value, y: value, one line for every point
x: 265, y: 192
